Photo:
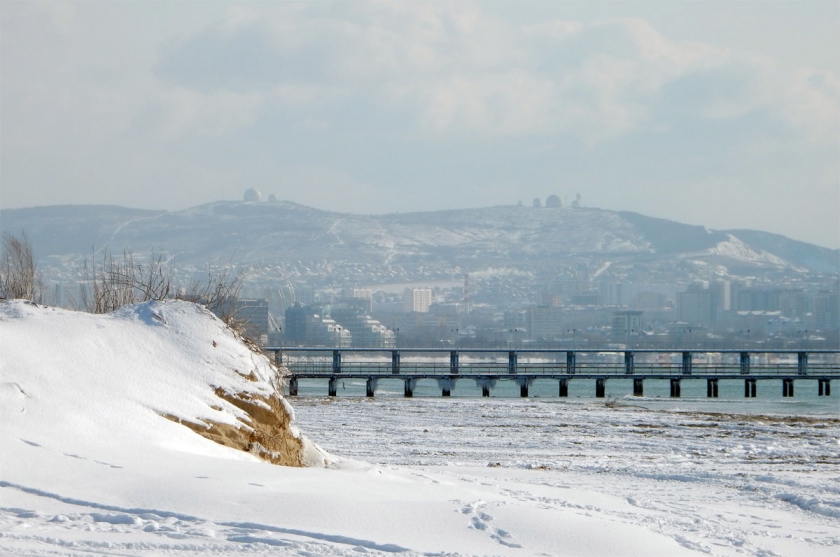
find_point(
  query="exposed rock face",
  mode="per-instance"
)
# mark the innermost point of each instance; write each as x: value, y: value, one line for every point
x: 269, y: 434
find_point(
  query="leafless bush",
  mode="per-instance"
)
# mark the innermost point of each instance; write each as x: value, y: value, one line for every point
x: 117, y: 282
x: 114, y: 282
x: 18, y: 278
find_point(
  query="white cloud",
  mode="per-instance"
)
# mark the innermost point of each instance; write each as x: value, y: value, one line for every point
x: 463, y: 71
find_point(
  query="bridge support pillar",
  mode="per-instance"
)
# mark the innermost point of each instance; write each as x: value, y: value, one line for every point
x: 745, y: 363
x: 711, y: 388
x: 686, y: 363
x: 395, y: 362
x: 485, y: 390
x: 409, y: 388
x: 523, y: 389
x: 787, y: 387
x: 369, y: 387
x: 331, y: 388
x: 293, y: 386
x: 749, y: 388
x: 824, y: 387
x: 446, y: 385
x: 675, y: 388
x: 600, y: 388
x: 638, y: 387
x: 564, y: 388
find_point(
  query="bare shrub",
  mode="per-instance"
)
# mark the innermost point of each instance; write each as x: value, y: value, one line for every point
x: 114, y: 282
x: 18, y: 278
x: 117, y: 282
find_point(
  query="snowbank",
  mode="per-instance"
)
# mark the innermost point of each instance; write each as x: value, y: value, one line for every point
x: 131, y: 376
x: 95, y: 458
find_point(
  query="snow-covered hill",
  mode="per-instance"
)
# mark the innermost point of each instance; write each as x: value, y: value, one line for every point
x: 471, y: 239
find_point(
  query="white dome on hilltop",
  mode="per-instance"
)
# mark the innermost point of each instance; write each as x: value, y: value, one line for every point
x: 252, y: 195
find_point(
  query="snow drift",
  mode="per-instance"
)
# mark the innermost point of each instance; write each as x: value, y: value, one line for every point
x: 136, y: 374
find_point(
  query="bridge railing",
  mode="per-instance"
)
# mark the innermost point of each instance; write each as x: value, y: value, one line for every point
x: 324, y: 368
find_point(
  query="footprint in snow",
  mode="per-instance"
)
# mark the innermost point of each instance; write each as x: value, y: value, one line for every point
x: 481, y: 521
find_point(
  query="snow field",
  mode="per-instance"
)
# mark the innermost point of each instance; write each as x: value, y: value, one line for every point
x: 89, y: 465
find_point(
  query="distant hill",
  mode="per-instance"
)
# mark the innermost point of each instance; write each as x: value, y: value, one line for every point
x: 471, y: 238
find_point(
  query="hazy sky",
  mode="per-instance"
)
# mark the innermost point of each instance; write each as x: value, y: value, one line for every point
x: 724, y: 114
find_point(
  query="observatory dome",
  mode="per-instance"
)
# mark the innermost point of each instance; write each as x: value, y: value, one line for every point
x: 252, y: 195
x: 553, y: 201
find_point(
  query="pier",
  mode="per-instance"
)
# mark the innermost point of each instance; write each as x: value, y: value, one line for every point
x: 487, y: 366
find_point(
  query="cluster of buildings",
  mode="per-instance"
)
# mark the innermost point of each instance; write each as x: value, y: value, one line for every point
x: 567, y: 312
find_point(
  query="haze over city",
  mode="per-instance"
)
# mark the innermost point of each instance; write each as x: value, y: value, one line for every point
x: 719, y: 114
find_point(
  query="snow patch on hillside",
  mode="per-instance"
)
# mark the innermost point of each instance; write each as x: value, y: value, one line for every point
x: 736, y: 249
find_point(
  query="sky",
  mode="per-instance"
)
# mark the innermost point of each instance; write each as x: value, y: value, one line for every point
x: 724, y: 114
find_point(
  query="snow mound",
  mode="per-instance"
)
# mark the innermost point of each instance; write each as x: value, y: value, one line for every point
x: 134, y: 375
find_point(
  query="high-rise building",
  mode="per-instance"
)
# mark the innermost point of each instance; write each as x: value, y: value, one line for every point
x: 254, y: 313
x: 365, y: 331
x: 626, y: 323
x: 545, y: 322
x: 695, y: 306
x: 417, y: 299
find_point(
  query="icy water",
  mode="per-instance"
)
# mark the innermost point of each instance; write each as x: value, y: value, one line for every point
x: 769, y: 397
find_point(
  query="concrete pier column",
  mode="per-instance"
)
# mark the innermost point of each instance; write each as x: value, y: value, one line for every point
x: 409, y: 388
x: 524, y: 383
x: 675, y: 388
x: 787, y: 387
x: 564, y: 388
x: 638, y: 387
x: 331, y: 389
x: 711, y: 388
x: 824, y: 387
x: 370, y: 386
x: 293, y: 386
x: 600, y: 388
x: 446, y: 384
x: 486, y: 384
x: 749, y: 388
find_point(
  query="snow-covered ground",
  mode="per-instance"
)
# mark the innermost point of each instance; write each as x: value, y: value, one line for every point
x: 89, y: 465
